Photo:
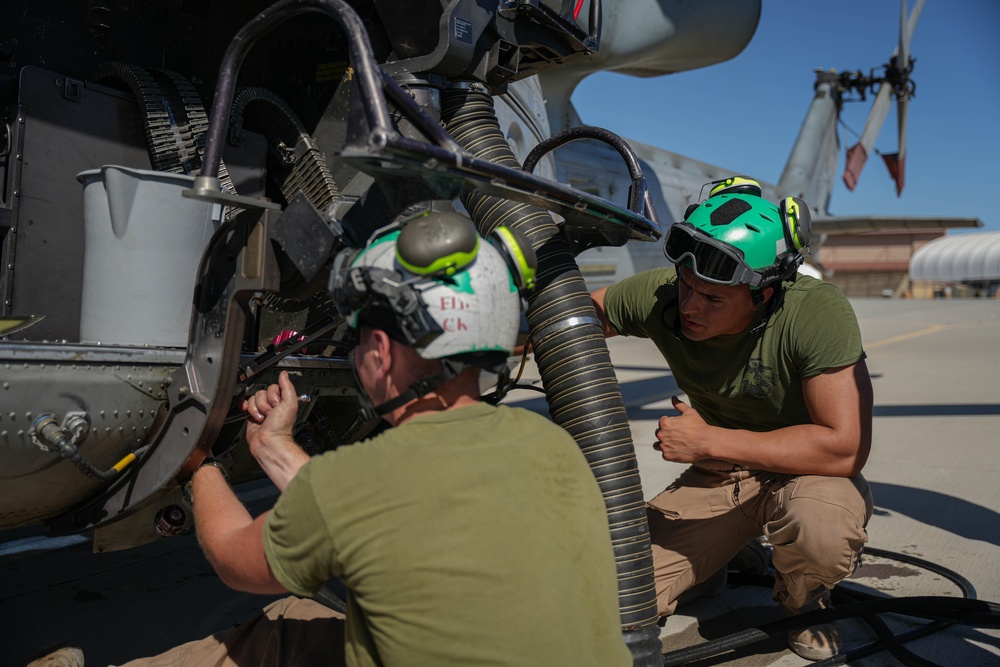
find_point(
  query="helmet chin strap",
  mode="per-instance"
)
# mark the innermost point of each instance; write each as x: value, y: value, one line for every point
x: 773, y: 278
x: 772, y: 305
x: 450, y: 369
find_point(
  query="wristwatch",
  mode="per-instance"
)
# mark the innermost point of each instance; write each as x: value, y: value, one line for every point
x: 186, y: 489
x: 209, y: 461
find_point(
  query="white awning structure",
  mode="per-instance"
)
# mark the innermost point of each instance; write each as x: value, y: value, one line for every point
x: 960, y: 258
x: 810, y: 270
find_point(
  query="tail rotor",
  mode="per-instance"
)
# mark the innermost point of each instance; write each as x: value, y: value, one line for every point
x: 894, y: 84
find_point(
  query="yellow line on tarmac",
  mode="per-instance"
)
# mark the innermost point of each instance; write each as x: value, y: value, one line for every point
x: 913, y: 334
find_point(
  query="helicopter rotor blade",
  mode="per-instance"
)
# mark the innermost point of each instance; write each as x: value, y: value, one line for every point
x: 897, y: 163
x: 911, y: 24
x: 858, y: 154
x: 903, y: 51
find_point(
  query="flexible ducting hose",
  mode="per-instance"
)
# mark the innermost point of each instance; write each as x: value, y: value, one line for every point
x: 572, y: 356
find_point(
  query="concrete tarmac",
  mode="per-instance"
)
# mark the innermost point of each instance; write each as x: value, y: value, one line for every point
x: 933, y: 469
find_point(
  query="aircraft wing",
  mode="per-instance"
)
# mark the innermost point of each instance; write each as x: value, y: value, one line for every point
x: 886, y: 223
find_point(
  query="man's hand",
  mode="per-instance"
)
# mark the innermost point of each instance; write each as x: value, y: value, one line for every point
x: 270, y: 419
x: 835, y: 444
x: 681, y: 439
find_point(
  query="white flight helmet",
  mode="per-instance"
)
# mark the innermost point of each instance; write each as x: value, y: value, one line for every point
x: 431, y: 284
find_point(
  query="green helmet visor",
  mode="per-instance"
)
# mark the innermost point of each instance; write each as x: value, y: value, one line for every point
x: 710, y: 259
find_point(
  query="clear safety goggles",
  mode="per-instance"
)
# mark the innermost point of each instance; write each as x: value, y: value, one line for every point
x: 710, y: 259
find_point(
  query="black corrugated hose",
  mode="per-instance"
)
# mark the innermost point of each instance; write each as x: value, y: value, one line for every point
x: 572, y: 356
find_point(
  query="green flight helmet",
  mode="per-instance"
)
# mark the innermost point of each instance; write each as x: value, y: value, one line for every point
x: 741, y: 218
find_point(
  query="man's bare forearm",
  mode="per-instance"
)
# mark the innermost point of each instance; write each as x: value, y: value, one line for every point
x: 232, y: 540
x: 806, y: 449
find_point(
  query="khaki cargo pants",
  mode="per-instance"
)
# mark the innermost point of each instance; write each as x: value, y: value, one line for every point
x: 815, y: 524
x: 290, y: 632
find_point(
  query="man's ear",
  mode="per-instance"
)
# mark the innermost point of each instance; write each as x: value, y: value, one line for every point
x: 382, y: 349
x: 762, y: 297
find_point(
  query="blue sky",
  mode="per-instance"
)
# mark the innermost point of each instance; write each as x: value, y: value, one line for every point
x: 741, y: 114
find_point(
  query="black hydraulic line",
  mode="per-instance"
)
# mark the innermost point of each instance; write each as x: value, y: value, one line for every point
x: 581, y: 388
x: 50, y: 432
x: 70, y: 451
x: 596, y: 19
x: 715, y: 647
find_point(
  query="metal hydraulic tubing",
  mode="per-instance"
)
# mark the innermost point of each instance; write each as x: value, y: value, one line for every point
x: 580, y: 384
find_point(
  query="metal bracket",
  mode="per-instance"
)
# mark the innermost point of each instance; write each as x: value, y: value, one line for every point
x: 305, y: 235
x: 73, y: 89
x: 375, y: 147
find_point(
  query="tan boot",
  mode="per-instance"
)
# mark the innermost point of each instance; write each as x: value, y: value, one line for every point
x: 68, y: 656
x: 817, y: 642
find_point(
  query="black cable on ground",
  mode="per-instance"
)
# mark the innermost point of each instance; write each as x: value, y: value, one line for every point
x: 886, y: 639
x: 876, y: 646
x: 977, y: 613
x: 890, y: 641
x: 943, y: 611
x: 968, y: 590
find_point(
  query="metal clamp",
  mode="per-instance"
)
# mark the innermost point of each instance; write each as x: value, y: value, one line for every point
x: 562, y: 325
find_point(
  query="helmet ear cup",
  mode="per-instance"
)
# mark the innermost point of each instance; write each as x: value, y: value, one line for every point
x: 796, y: 222
x: 518, y: 254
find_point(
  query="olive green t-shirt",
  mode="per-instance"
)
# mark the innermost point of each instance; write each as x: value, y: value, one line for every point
x: 472, y: 536
x: 749, y: 381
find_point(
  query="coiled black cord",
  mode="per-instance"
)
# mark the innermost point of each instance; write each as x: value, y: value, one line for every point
x: 943, y: 612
